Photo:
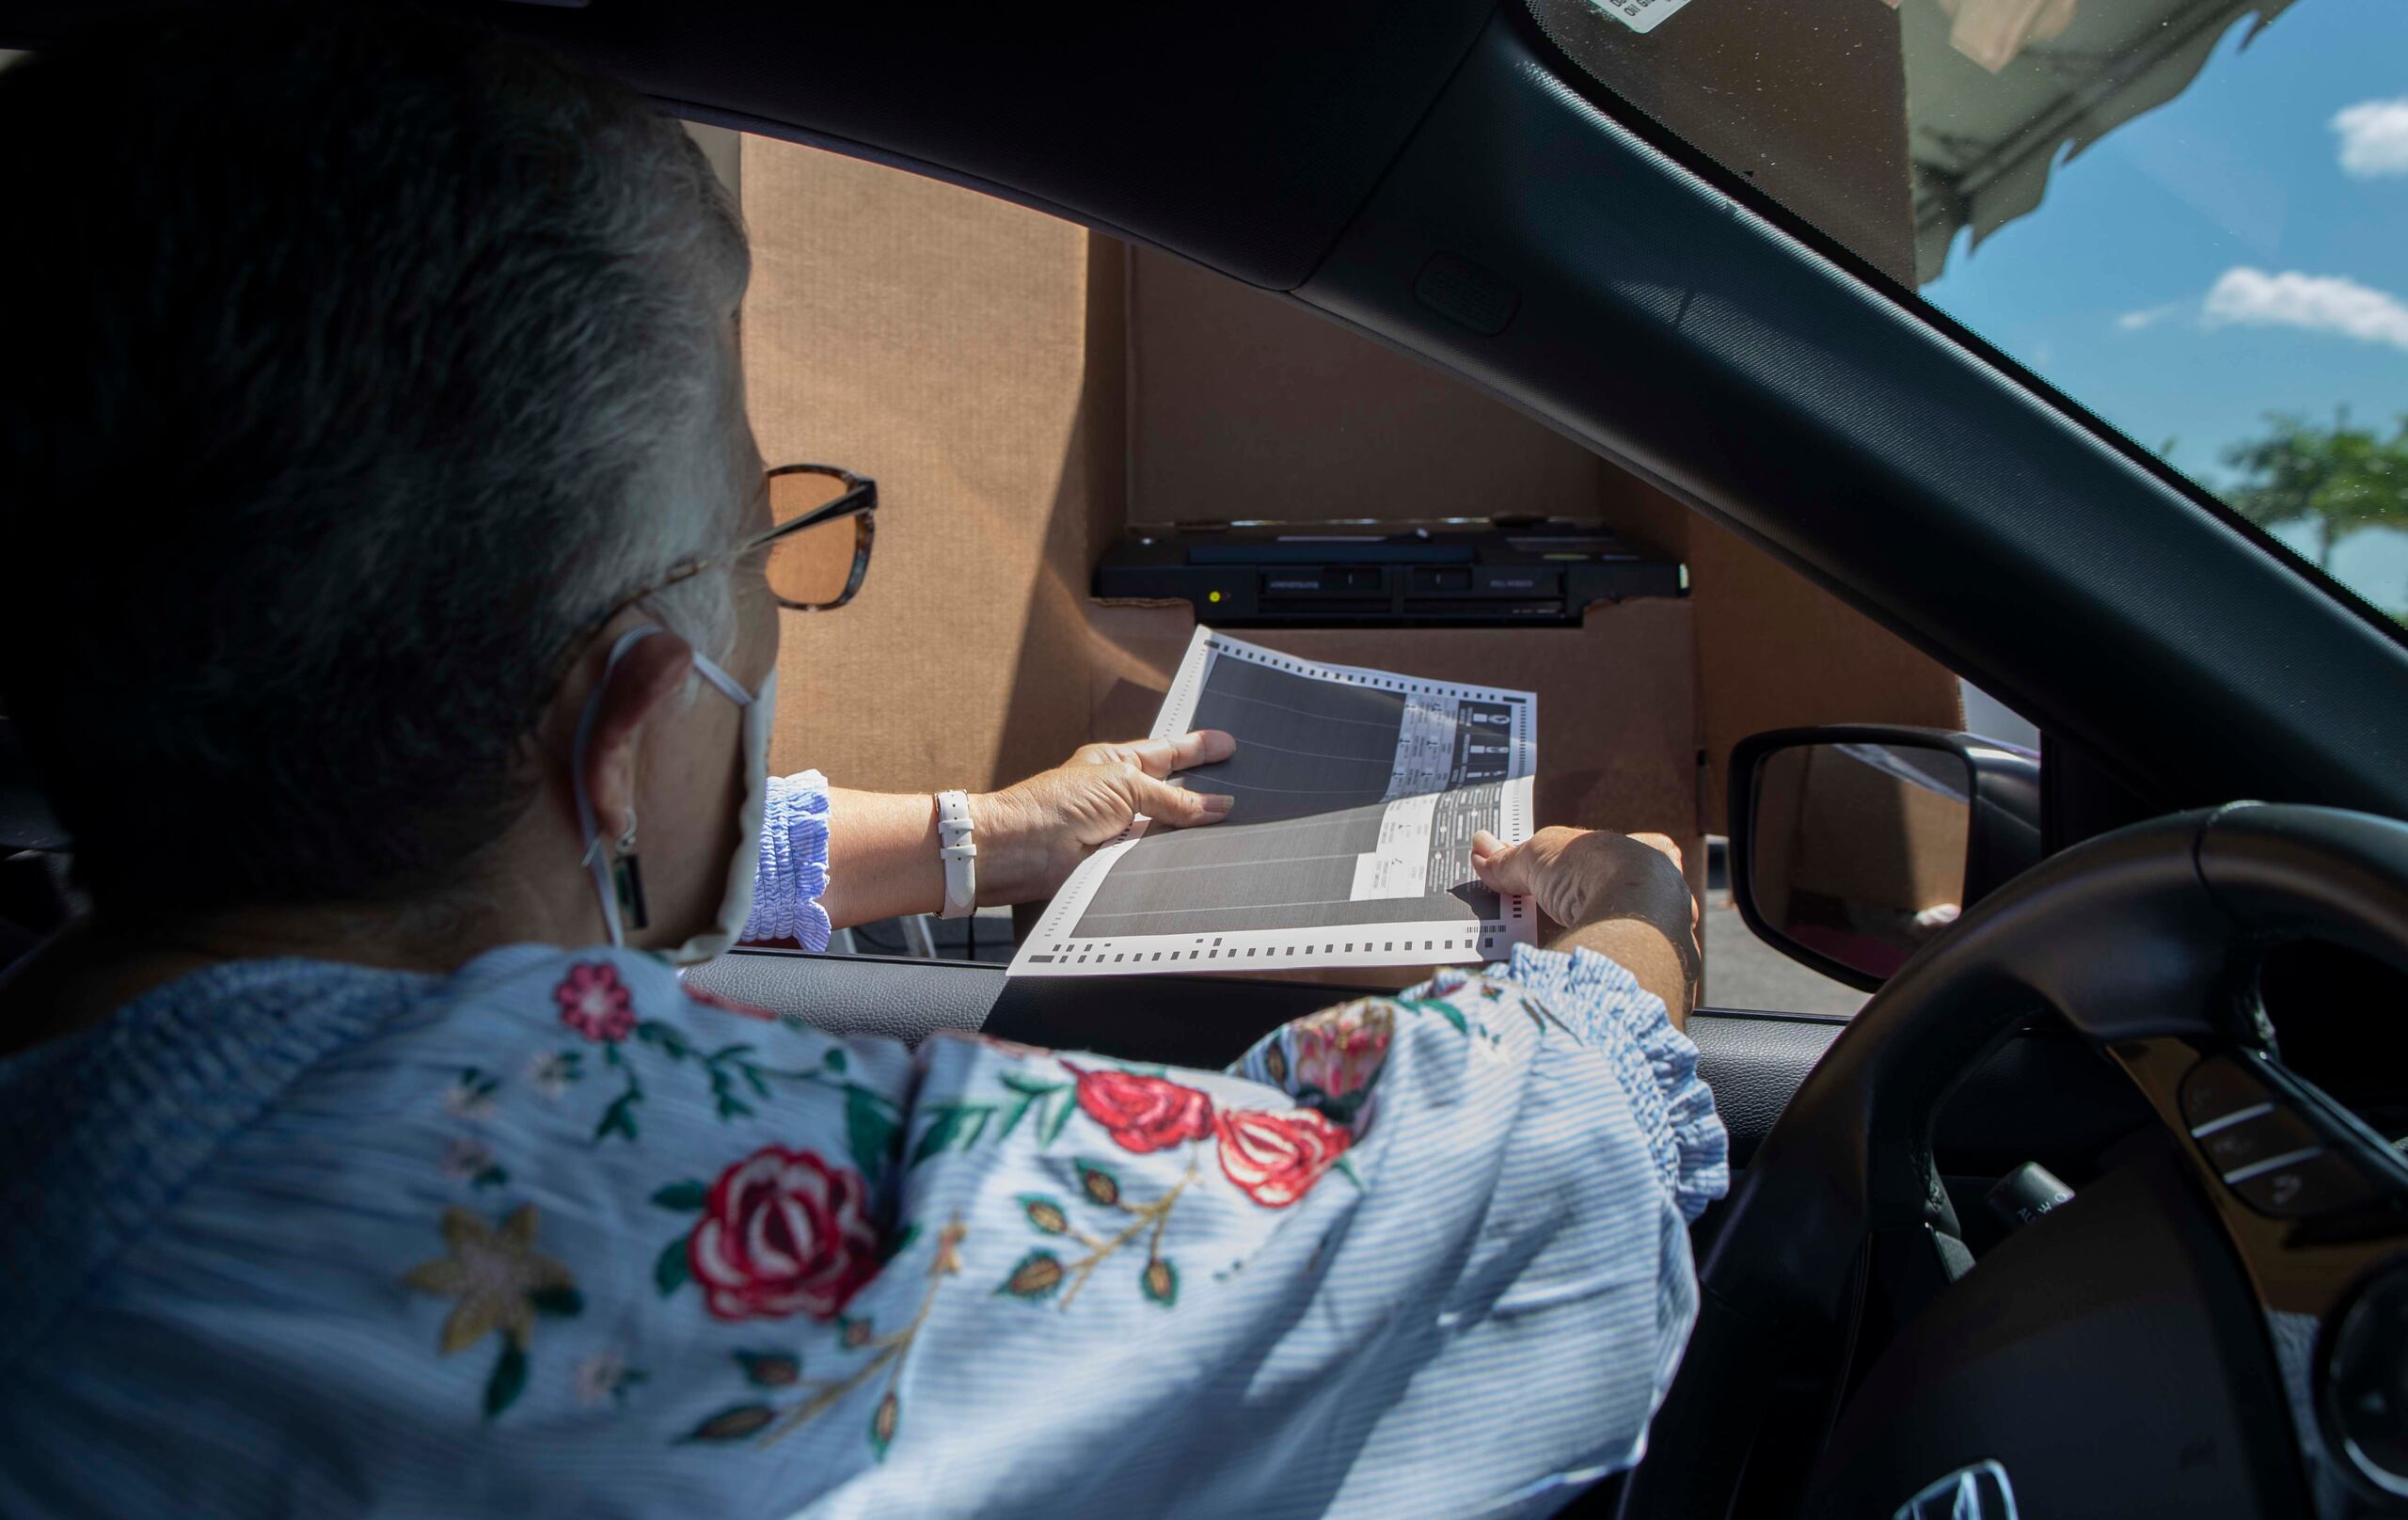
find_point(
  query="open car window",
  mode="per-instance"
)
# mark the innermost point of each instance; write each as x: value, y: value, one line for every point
x: 2188, y: 215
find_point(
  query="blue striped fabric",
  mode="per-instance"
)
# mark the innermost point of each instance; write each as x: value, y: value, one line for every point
x: 547, y: 1236
x: 792, y: 875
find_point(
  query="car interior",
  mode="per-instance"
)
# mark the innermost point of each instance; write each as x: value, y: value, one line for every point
x: 2097, y: 1204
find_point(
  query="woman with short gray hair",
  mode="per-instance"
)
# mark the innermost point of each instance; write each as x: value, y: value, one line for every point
x: 399, y: 646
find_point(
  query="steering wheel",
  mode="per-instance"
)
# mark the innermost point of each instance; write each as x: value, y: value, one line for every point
x: 2217, y: 1325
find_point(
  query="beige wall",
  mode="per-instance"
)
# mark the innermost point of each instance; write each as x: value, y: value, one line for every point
x: 964, y: 352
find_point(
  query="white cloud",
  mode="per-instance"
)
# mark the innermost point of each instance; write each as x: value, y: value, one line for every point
x: 2147, y: 316
x: 2319, y: 303
x: 2374, y: 138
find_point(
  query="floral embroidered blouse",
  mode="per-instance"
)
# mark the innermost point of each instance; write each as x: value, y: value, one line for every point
x: 556, y: 1234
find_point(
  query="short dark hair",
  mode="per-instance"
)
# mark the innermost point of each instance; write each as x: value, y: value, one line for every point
x: 342, y: 362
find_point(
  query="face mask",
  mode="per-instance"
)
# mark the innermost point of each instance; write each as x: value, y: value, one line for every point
x: 735, y: 902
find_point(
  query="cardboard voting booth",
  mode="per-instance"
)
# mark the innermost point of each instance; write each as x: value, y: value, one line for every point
x: 1024, y: 390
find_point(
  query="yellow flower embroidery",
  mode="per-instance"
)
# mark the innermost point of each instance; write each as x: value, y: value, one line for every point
x: 496, y: 1277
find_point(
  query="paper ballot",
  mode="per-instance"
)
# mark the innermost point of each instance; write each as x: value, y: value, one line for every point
x: 1350, y: 843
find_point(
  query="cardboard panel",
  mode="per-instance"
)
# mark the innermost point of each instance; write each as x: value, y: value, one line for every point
x: 1020, y: 388
x: 1245, y: 406
x: 1829, y: 825
x: 1776, y: 651
x: 1241, y: 405
x: 966, y: 353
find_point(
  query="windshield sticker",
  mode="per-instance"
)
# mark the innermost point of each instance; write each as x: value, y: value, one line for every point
x: 1640, y: 15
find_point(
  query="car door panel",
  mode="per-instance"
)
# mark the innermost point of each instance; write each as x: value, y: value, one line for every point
x: 1752, y: 1061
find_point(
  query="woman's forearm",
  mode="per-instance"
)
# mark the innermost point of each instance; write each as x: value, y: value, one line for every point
x: 1643, y: 949
x: 882, y: 859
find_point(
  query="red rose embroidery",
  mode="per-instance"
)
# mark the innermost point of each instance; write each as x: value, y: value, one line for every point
x: 783, y: 1231
x: 1276, y: 1158
x: 1340, y: 1049
x: 1143, y: 1113
x: 594, y: 1003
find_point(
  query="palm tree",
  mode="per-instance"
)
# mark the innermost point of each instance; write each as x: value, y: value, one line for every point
x: 2342, y: 478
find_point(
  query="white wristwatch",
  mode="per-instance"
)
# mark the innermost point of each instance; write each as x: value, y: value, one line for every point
x: 960, y: 853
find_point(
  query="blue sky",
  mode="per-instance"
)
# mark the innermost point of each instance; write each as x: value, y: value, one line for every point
x: 2217, y: 258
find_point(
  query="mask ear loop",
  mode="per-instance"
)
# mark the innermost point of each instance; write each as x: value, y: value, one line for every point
x: 712, y: 672
x: 606, y: 885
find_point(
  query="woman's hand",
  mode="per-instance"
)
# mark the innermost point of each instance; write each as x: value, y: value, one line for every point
x: 1030, y: 836
x: 1622, y: 895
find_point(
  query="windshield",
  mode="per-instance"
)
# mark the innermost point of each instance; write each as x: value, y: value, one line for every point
x: 2190, y: 215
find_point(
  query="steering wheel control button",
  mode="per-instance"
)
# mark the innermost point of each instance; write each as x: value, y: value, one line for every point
x: 2217, y: 1088
x: 2302, y: 1186
x: 2249, y: 1136
x: 2365, y: 1384
x: 2239, y: 1115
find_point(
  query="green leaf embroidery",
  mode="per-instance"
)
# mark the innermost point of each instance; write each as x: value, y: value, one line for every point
x: 509, y: 1379
x: 689, y: 1196
x: 898, y: 1243
x: 670, y: 1039
x: 883, y: 1421
x: 561, y: 1302
x: 1012, y: 1117
x: 726, y: 1050
x: 869, y: 1130
x: 769, y: 1368
x: 489, y: 1177
x: 1344, y: 1166
x: 833, y: 1061
x: 1336, y: 1109
x: 940, y: 1134
x: 1030, y: 1085
x: 1160, y: 1281
x: 669, y: 1269
x: 1061, y: 1116
x: 1038, y: 1276
x: 1097, y: 1183
x: 734, y: 1424
x: 620, y: 1117
x: 1045, y: 1213
x: 1444, y: 1009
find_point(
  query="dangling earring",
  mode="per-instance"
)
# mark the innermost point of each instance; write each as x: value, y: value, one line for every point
x: 628, y: 878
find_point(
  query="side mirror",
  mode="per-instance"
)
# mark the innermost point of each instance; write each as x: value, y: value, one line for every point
x: 1852, y: 847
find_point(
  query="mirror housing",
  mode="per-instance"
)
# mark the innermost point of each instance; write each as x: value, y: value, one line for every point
x: 1851, y: 845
